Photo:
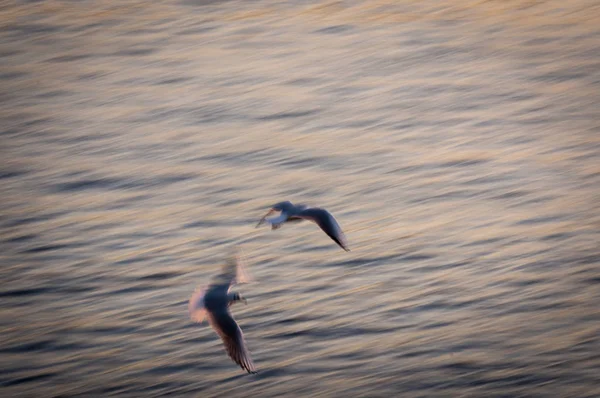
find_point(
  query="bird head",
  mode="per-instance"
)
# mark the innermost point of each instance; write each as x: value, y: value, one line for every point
x: 235, y: 297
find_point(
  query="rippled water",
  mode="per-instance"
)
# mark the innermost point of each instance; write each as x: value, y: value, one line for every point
x: 457, y: 143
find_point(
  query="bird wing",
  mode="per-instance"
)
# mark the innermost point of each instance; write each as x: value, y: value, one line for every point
x: 233, y: 339
x: 242, y: 275
x: 196, y: 306
x: 233, y: 272
x: 327, y: 223
x: 302, y: 207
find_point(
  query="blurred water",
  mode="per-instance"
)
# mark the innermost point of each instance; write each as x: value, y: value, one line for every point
x: 457, y: 143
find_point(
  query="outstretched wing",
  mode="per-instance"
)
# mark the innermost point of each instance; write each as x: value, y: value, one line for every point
x: 233, y: 339
x: 242, y: 275
x: 327, y: 223
x: 196, y: 306
x: 232, y: 272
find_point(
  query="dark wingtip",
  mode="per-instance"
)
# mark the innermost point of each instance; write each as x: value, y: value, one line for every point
x: 342, y: 245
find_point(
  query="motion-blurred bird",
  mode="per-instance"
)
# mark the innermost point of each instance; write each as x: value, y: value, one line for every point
x: 292, y: 213
x: 214, y: 303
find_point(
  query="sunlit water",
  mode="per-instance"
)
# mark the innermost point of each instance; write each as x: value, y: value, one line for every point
x: 456, y: 142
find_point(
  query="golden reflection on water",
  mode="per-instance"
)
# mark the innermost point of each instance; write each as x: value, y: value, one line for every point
x: 457, y: 143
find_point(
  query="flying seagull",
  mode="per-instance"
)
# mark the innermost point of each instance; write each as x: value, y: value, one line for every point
x: 213, y: 303
x: 293, y: 213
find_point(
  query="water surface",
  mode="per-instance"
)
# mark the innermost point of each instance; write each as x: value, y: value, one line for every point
x: 457, y: 143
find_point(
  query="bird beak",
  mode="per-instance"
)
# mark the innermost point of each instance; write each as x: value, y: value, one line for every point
x: 264, y: 217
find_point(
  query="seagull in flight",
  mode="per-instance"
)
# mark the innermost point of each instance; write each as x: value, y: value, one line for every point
x: 213, y: 303
x: 293, y: 213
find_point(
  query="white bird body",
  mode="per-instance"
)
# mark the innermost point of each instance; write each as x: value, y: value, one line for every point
x: 277, y: 221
